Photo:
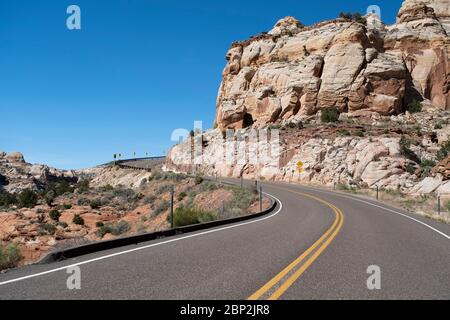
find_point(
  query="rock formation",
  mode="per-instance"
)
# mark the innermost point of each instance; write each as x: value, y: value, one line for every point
x: 370, y: 72
x: 296, y: 70
x: 19, y: 175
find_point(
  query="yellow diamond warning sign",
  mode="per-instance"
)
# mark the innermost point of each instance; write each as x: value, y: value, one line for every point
x: 300, y: 166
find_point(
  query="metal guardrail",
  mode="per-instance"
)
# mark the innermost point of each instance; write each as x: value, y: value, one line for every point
x: 135, y: 240
x: 138, y: 163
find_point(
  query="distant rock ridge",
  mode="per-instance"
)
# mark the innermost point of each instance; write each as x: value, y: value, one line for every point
x: 18, y: 175
x: 295, y: 71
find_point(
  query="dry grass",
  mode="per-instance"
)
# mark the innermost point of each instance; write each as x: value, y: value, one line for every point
x: 422, y: 205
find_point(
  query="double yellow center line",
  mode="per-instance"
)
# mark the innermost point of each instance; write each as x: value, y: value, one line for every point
x: 278, y: 285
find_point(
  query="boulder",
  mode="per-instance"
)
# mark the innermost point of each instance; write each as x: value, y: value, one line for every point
x: 427, y: 185
x: 443, y: 169
x: 15, y: 157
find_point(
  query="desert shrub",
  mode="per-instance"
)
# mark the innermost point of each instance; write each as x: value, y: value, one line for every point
x: 54, y: 215
x: 405, y: 150
x: 10, y: 256
x: 394, y: 192
x: 50, y: 197
x: 427, y: 166
x: 275, y: 126
x: 344, y: 133
x: 359, y: 133
x: 357, y: 17
x: 7, y: 199
x: 99, y: 224
x: 141, y: 229
x: 157, y: 175
x: 83, y: 186
x: 410, y: 168
x: 447, y: 206
x: 83, y: 202
x: 347, y: 188
x: 427, y: 163
x: 143, y: 183
x: 346, y: 15
x: 242, y: 199
x: 198, y: 179
x: 125, y: 194
x: 444, y: 151
x: 106, y: 188
x: 27, y: 199
x: 163, y: 189
x: 208, y: 186
x: 116, y: 229
x: 63, y: 187
x: 330, y: 115
x: 173, y: 176
x: 181, y: 196
x: 294, y: 124
x: 149, y: 200
x: 49, y: 228
x: 163, y: 206
x: 59, y: 188
x: 438, y: 126
x: 67, y: 206
x: 78, y: 220
x: 96, y: 204
x: 189, y: 216
x: 414, y: 106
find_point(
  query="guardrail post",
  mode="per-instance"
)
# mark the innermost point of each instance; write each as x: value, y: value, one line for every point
x: 260, y: 199
x: 172, y: 192
x: 439, y: 203
x: 378, y: 191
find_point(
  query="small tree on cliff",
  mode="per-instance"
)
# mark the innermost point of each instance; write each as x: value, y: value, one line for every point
x: 330, y: 115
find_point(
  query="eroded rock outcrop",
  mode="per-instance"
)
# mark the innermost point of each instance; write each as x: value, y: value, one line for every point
x: 16, y: 174
x: 371, y: 72
x: 301, y: 70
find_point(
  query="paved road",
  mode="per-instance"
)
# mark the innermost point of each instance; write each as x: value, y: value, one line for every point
x: 318, y: 245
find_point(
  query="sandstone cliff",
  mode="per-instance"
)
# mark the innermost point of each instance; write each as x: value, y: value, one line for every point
x: 370, y: 72
x: 295, y: 70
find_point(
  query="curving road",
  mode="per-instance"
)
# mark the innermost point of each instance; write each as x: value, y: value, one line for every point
x: 317, y: 245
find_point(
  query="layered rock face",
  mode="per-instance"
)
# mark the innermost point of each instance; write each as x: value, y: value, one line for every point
x: 370, y: 72
x: 16, y: 174
x: 296, y: 71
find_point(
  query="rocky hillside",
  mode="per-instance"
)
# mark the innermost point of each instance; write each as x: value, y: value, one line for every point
x: 17, y: 175
x: 359, y: 103
x: 357, y: 67
x: 106, y: 203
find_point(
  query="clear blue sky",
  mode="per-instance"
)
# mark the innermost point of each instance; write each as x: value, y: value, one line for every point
x: 136, y: 71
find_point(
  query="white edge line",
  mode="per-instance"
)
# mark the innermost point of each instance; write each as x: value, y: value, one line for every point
x: 146, y: 247
x: 386, y: 209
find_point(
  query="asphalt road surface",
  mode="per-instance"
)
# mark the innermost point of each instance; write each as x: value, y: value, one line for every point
x: 316, y: 245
